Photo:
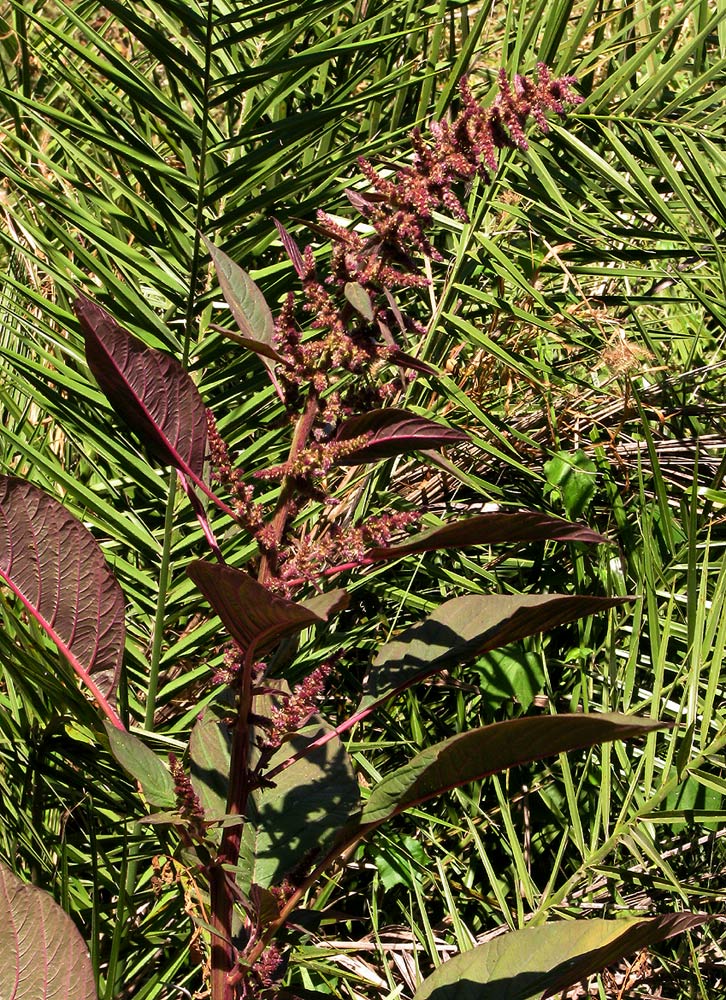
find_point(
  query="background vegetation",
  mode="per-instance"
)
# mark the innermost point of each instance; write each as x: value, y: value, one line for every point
x: 577, y: 323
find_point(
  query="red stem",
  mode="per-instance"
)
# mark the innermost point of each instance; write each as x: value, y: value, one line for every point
x: 224, y: 954
x: 332, y: 570
x: 300, y: 438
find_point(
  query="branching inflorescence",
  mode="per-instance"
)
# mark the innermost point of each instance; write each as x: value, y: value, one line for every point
x: 353, y: 362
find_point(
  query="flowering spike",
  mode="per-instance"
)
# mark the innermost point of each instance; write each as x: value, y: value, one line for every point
x: 295, y: 710
x: 246, y: 510
x: 188, y: 804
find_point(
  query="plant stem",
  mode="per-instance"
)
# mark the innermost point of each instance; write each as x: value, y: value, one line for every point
x: 224, y: 953
x: 300, y: 438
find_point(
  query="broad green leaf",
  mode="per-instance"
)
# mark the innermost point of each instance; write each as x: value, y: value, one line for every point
x: 510, y: 673
x: 55, y: 567
x: 290, y: 823
x: 249, y: 308
x: 142, y: 764
x: 490, y: 749
x: 573, y: 474
x: 42, y: 954
x: 463, y: 628
x: 543, y: 961
x: 359, y: 298
x: 395, y: 862
x: 209, y: 753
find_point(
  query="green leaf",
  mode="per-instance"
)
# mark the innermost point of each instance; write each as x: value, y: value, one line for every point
x: 209, y: 752
x: 490, y: 749
x: 249, y: 308
x: 142, y: 764
x: 510, y: 673
x: 573, y: 475
x: 537, y: 961
x: 286, y: 824
x: 359, y: 298
x: 310, y: 802
x: 42, y: 955
x: 465, y: 627
x: 395, y: 862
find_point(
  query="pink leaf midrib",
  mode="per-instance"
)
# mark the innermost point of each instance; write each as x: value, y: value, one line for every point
x: 66, y: 651
x: 182, y: 463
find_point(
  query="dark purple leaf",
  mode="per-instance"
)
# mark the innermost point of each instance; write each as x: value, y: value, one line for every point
x: 545, y: 961
x: 464, y: 628
x: 148, y: 389
x: 403, y: 323
x: 400, y: 357
x: 363, y: 203
x: 255, y: 618
x: 385, y: 331
x: 393, y: 432
x: 249, y: 308
x: 321, y: 230
x: 404, y: 360
x: 43, y: 957
x: 490, y: 749
x: 264, y: 350
x: 490, y: 529
x: 293, y: 251
x: 54, y: 565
